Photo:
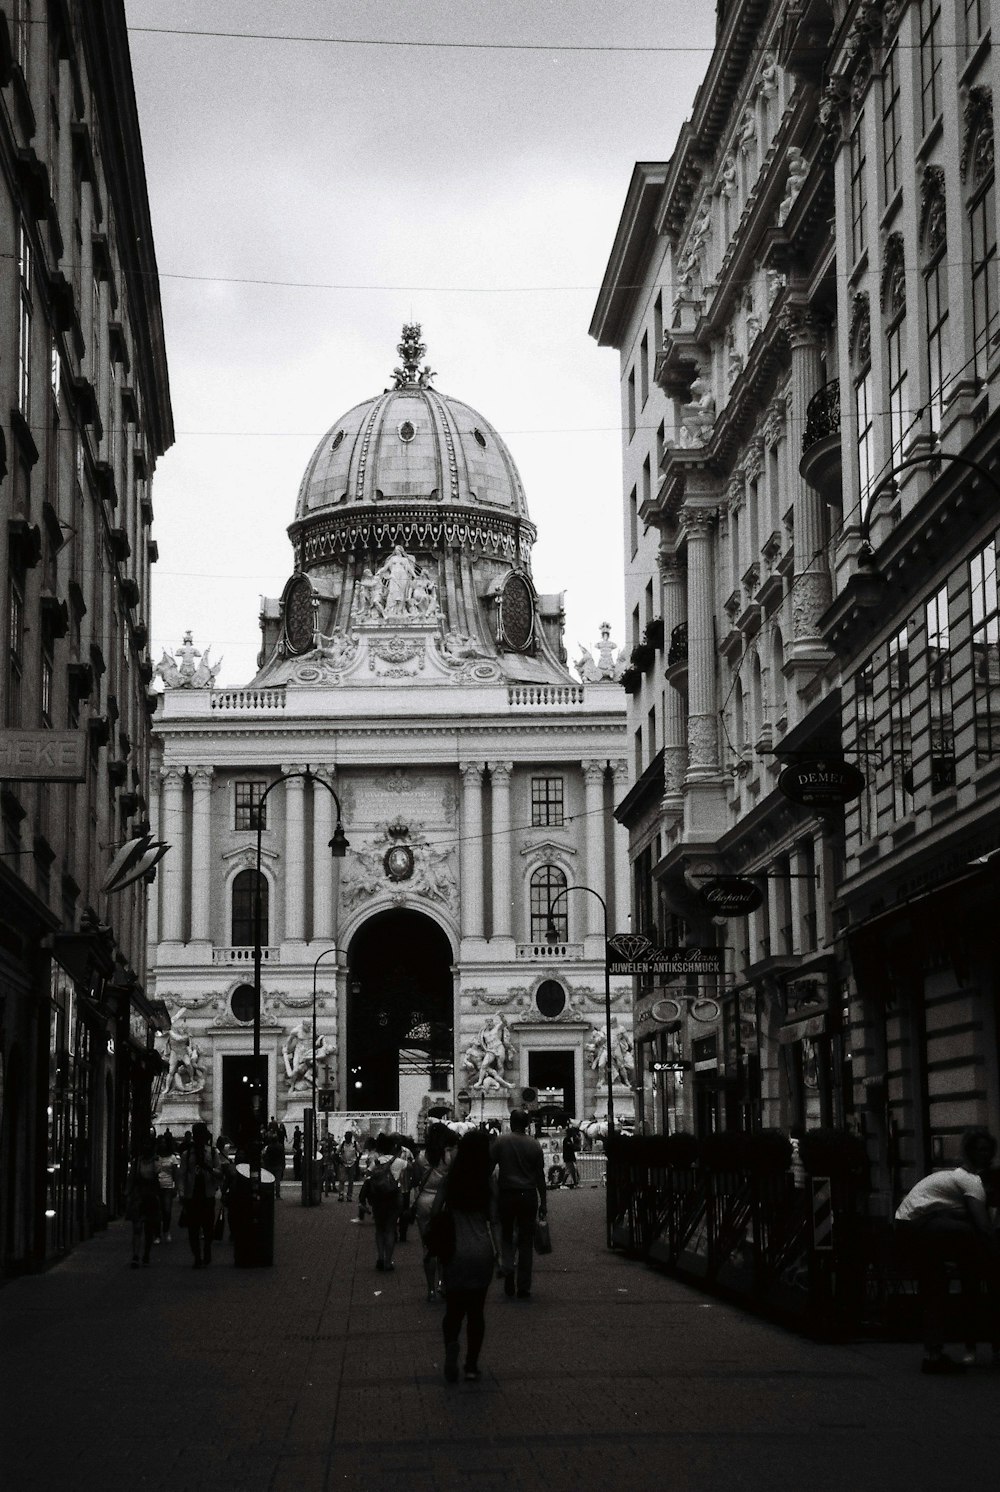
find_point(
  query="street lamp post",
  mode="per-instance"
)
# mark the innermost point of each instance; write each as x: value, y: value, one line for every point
x: 311, y: 1197
x: 338, y: 848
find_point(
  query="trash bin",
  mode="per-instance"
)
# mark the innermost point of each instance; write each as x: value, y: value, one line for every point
x: 252, y: 1228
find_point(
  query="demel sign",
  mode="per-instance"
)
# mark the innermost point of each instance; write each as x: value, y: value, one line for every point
x: 822, y: 783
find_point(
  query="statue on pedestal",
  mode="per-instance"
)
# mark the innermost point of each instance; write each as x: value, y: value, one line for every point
x: 303, y: 1048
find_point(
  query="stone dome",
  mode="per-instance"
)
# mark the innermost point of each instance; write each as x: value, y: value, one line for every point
x: 409, y: 445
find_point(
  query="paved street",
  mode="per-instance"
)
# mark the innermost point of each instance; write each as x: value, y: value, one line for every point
x: 321, y: 1373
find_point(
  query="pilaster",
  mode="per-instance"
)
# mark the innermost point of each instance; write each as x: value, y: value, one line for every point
x: 501, y: 849
x: 323, y: 868
x: 173, y: 862
x: 471, y: 857
x: 595, y: 868
x: 623, y: 871
x: 295, y: 863
x: 201, y: 854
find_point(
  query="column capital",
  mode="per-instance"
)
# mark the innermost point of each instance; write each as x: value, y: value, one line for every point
x: 698, y: 522
x: 672, y: 565
x: 621, y: 771
x: 801, y: 325
x: 471, y: 772
x: 202, y: 774
x: 593, y: 771
x: 501, y: 771
x: 286, y: 771
x: 172, y: 776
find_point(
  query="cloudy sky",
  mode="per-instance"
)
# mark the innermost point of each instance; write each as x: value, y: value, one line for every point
x: 309, y: 196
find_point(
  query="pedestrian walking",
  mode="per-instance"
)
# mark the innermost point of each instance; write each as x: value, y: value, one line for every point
x: 384, y: 1198
x: 142, y: 1200
x: 273, y: 1157
x: 369, y: 1156
x: 944, y: 1220
x: 297, y: 1154
x: 167, y: 1168
x: 469, y: 1197
x: 569, y: 1149
x: 405, y: 1153
x: 348, y: 1156
x: 430, y: 1175
x: 328, y: 1164
x: 200, y: 1178
x: 520, y: 1163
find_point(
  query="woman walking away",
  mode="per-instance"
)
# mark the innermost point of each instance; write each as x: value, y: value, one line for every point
x: 384, y: 1198
x: 273, y: 1157
x: 142, y: 1200
x: 168, y: 1166
x: 201, y: 1173
x: 469, y: 1197
x: 431, y: 1172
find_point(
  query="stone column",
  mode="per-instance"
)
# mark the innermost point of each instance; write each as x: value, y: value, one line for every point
x: 622, y: 921
x: 172, y: 864
x: 295, y: 863
x: 595, y: 868
x: 811, y: 588
x: 798, y: 897
x: 153, y: 893
x: 703, y: 719
x: 201, y: 854
x: 673, y: 583
x: 323, y: 821
x: 471, y: 858
x: 500, y: 773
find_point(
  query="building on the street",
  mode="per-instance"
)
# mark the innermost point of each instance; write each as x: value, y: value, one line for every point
x: 719, y: 296
x: 410, y: 665
x: 87, y: 413
x: 820, y: 252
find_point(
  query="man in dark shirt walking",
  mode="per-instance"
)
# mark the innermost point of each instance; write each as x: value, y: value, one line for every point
x: 521, y: 1176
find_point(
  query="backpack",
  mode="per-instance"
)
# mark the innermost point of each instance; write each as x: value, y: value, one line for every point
x: 383, y: 1188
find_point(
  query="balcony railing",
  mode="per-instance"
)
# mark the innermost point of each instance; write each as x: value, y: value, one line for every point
x: 822, y: 414
x: 243, y: 954
x: 248, y: 699
x: 544, y: 696
x: 550, y: 951
x: 677, y: 652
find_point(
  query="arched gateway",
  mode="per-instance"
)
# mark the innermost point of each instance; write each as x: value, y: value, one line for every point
x: 400, y: 1012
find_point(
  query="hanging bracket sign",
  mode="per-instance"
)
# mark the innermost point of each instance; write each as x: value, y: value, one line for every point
x: 730, y: 896
x: 632, y: 953
x: 821, y: 783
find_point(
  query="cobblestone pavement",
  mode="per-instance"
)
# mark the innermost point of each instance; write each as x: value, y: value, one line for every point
x: 321, y: 1373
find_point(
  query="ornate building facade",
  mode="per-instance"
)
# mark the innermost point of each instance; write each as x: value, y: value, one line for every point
x: 86, y: 414
x: 826, y: 236
x: 411, y: 667
x: 719, y: 296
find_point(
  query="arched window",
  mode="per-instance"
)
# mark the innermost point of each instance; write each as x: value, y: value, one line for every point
x: 861, y: 366
x: 244, y: 909
x: 546, y: 883
x: 934, y: 242
x: 977, y: 169
x: 893, y: 301
x: 778, y: 689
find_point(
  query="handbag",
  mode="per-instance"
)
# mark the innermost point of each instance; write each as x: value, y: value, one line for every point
x: 543, y: 1238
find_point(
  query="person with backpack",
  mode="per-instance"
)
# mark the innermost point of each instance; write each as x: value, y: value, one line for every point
x: 366, y: 1165
x: 348, y: 1156
x: 430, y: 1177
x: 200, y: 1177
x: 384, y: 1199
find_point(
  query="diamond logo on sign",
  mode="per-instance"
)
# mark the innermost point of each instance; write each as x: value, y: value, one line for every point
x: 629, y: 946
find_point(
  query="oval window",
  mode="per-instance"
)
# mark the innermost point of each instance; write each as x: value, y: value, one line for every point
x: 241, y: 1003
x: 336, y: 440
x: 406, y: 431
x: 550, y: 997
x: 480, y: 437
x: 516, y: 615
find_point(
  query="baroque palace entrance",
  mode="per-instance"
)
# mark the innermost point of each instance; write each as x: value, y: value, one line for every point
x: 400, y: 1034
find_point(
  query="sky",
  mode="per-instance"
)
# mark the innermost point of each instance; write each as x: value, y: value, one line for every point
x: 310, y: 196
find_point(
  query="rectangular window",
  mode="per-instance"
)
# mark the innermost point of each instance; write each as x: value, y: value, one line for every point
x: 249, y: 808
x: 892, y: 129
x: 939, y: 692
x: 930, y: 62
x: 650, y: 735
x: 660, y: 445
x: 546, y: 884
x: 982, y: 223
x: 24, y: 323
x: 546, y: 802
x: 15, y: 651
x: 866, y: 434
x: 245, y: 911
x: 647, y: 482
x: 631, y: 404
x: 975, y: 22
x: 898, y: 413
x: 46, y: 701
x: 866, y: 738
x: 644, y: 370
x: 938, y: 354
x: 658, y: 324
x: 899, y: 724
x: 985, y: 652
x: 859, y: 190
x: 633, y: 521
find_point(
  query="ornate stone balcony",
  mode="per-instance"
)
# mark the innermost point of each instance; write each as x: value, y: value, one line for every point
x: 820, y: 465
x: 243, y: 954
x: 549, y: 952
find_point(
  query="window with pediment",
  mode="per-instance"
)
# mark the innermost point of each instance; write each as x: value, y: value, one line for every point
x: 244, y: 909
x: 977, y: 173
x: 892, y: 297
x: 546, y: 884
x: 864, y: 408
x: 934, y: 249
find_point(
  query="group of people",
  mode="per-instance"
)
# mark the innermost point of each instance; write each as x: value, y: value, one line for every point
x: 194, y: 1170
x: 475, y: 1199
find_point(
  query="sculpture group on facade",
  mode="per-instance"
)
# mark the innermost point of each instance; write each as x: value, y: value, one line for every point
x: 185, y: 1072
x: 607, y: 665
x: 304, y: 1048
x: 180, y: 671
x: 622, y: 1065
x: 698, y: 415
x: 488, y: 1056
x: 398, y: 590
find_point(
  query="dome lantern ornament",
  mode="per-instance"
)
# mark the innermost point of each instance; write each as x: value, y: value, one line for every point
x: 411, y: 350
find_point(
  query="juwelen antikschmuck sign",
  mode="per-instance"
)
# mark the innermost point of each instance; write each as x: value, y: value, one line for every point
x: 632, y: 953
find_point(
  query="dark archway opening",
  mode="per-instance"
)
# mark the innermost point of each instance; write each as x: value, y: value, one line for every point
x: 399, y: 1012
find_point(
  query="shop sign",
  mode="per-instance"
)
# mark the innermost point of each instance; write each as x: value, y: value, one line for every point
x: 43, y: 755
x: 631, y: 953
x: 821, y: 783
x: 730, y: 896
x: 677, y: 1065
